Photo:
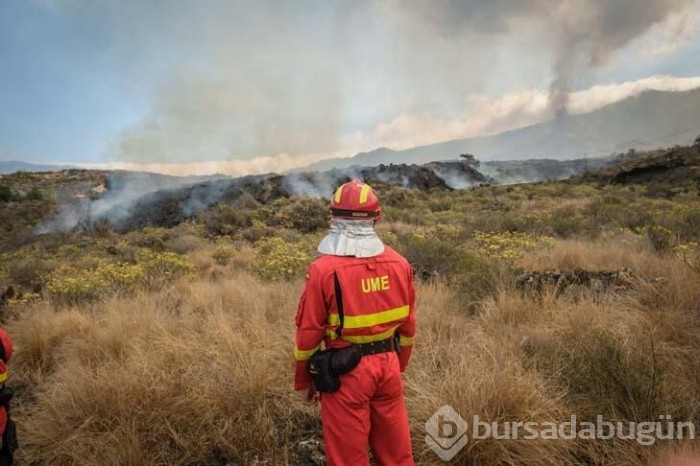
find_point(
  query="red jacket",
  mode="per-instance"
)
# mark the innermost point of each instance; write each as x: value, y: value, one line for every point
x: 378, y: 297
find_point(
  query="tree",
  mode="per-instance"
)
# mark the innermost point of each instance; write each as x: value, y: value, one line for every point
x: 697, y: 141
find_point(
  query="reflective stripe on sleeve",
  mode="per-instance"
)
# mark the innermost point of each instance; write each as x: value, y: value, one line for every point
x: 303, y: 355
x: 405, y: 341
x: 3, y: 377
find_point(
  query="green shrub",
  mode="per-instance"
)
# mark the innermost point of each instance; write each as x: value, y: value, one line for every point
x: 661, y: 239
x: 306, y: 215
x: 30, y: 271
x: 34, y: 195
x: 438, y: 255
x: 6, y: 194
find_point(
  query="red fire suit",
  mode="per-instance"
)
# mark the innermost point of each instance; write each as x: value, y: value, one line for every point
x: 378, y: 298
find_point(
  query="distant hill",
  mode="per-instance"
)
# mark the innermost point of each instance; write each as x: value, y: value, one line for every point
x: 650, y: 120
x: 676, y: 167
x: 12, y: 166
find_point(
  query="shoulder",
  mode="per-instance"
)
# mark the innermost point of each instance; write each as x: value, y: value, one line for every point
x: 326, y: 264
x: 390, y: 255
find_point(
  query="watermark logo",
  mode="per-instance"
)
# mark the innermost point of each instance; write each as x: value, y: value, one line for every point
x: 447, y: 432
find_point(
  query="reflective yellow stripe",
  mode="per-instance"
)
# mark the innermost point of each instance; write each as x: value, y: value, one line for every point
x: 364, y: 193
x: 369, y: 320
x: 378, y: 318
x: 303, y: 355
x: 405, y: 341
x: 3, y: 377
x: 338, y: 193
x: 331, y: 334
x: 370, y: 338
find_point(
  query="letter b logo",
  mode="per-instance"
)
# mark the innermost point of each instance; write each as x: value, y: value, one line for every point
x: 442, y: 432
x: 446, y: 433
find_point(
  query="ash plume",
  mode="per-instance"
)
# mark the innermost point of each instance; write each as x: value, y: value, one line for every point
x: 585, y: 33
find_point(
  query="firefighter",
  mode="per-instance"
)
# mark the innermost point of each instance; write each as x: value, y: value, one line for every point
x: 8, y: 434
x: 359, y: 298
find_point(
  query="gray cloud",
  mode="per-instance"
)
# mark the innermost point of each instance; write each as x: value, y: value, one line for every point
x: 234, y: 79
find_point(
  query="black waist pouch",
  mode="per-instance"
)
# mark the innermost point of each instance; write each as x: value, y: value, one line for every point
x: 320, y: 369
x: 326, y: 365
x: 345, y: 359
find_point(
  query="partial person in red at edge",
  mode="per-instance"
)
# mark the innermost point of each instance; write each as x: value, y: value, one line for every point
x: 8, y: 432
x: 359, y: 304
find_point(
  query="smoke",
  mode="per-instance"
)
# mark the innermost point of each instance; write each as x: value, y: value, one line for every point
x: 268, y: 85
x: 585, y: 33
x: 115, y: 205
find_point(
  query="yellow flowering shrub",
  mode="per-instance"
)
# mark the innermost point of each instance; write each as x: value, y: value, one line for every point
x: 69, y: 285
x: 222, y: 254
x: 277, y: 259
x: 508, y: 246
x: 162, y: 267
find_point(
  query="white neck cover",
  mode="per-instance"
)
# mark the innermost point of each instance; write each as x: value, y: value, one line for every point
x: 351, y: 238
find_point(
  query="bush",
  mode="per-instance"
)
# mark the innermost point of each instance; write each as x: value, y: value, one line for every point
x: 71, y: 286
x: 68, y: 285
x: 30, y: 271
x: 438, y: 255
x: 277, y: 259
x: 306, y: 215
x: 508, y: 246
x: 161, y: 268
x: 661, y: 239
x: 34, y: 195
x: 222, y: 254
x: 6, y: 194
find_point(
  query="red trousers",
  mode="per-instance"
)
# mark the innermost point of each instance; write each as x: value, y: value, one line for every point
x: 368, y: 408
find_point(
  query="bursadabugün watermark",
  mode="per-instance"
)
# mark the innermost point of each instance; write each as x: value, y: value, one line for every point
x: 447, y: 432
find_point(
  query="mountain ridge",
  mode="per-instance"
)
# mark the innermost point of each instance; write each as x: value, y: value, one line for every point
x: 646, y: 121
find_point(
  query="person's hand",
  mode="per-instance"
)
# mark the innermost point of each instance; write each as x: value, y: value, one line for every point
x: 311, y: 395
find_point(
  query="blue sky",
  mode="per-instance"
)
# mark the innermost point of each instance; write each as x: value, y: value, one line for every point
x: 94, y: 81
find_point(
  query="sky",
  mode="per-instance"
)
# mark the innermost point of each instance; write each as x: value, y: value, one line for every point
x: 244, y: 87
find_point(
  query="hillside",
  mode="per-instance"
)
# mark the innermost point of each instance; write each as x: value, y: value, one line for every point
x: 166, y: 335
x: 650, y: 120
x: 126, y: 201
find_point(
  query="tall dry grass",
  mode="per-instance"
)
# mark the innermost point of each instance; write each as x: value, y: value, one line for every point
x: 195, y: 372
x: 200, y: 372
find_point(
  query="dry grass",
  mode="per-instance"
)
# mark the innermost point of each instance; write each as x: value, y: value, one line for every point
x: 179, y: 376
x: 201, y: 371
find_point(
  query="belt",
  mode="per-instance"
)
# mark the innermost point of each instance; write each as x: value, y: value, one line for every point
x: 376, y: 347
